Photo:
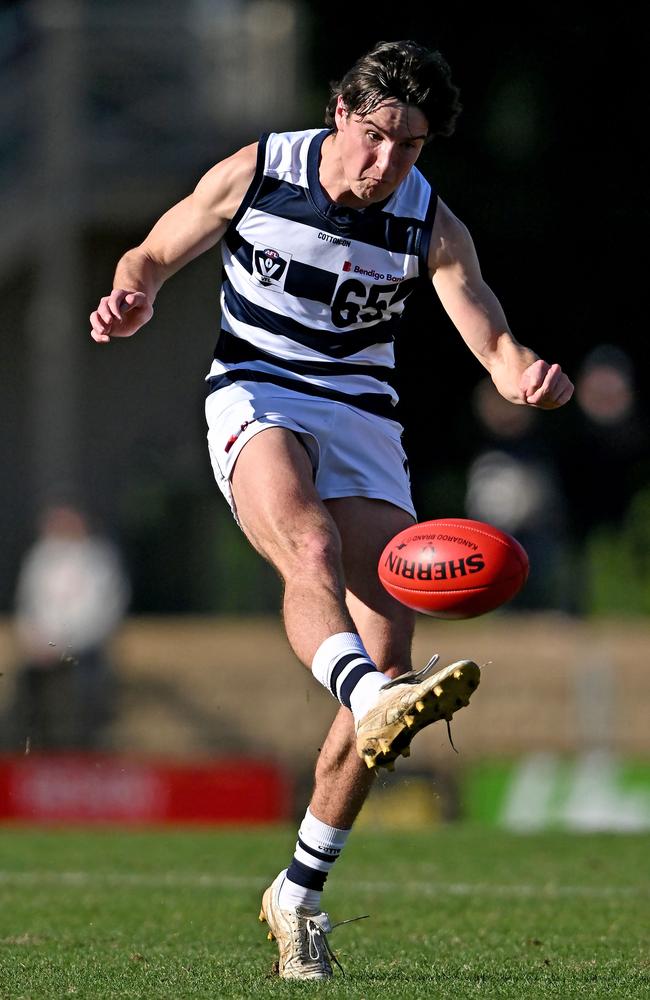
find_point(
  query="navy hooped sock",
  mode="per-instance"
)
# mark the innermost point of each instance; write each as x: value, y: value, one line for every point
x: 343, y: 666
x: 317, y: 848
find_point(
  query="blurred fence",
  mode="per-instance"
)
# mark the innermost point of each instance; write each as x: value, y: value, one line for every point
x: 197, y: 686
x: 557, y: 733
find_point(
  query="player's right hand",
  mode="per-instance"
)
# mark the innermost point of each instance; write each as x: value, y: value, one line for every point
x: 119, y: 314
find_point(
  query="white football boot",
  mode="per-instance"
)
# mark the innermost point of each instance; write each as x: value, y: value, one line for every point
x: 408, y: 704
x: 302, y: 937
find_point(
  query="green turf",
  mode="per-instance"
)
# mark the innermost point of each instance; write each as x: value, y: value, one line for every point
x: 457, y: 912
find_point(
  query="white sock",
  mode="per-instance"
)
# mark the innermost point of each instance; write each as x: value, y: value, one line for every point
x: 317, y: 848
x: 364, y: 696
x: 342, y: 665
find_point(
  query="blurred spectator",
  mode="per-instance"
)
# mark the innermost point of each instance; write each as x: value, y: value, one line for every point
x: 605, y: 392
x: 513, y: 484
x: 606, y: 454
x: 607, y: 469
x: 71, y: 595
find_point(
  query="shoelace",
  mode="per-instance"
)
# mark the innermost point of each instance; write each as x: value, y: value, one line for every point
x: 316, y: 935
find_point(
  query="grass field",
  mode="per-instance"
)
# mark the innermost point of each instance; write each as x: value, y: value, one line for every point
x: 459, y: 912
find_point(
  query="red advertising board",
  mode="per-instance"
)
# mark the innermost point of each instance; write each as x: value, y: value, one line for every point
x: 97, y: 788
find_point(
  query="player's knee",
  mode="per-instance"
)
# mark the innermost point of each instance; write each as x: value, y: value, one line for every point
x: 317, y: 550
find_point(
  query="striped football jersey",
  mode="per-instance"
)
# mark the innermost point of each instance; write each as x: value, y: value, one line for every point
x: 312, y: 291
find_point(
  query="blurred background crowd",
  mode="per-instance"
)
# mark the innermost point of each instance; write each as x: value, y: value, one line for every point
x: 111, y: 111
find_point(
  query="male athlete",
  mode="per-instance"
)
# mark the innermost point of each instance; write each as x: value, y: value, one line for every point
x: 324, y: 235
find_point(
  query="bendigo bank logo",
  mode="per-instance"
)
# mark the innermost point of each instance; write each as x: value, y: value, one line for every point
x: 269, y: 267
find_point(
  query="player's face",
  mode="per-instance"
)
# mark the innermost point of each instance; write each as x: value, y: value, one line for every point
x: 377, y: 150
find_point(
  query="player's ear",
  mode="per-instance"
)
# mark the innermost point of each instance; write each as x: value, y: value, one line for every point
x: 341, y: 113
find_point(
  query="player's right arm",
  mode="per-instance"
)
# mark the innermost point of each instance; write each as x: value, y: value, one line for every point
x: 187, y: 230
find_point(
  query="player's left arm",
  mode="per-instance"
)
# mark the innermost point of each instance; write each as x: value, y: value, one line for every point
x: 519, y: 374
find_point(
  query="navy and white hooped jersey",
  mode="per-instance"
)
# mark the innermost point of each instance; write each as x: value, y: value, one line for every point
x: 313, y: 291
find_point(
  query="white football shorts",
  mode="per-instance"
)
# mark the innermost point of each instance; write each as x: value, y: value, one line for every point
x: 353, y: 453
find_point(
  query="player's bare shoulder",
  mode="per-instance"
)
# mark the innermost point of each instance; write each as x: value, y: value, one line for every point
x: 221, y: 190
x: 451, y: 243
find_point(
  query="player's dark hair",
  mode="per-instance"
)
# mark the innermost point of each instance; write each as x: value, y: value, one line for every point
x: 402, y: 71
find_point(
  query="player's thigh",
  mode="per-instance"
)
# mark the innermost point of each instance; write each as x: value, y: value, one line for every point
x: 276, y: 501
x: 385, y: 625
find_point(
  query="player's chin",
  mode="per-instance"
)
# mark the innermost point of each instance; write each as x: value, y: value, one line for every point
x: 371, y: 191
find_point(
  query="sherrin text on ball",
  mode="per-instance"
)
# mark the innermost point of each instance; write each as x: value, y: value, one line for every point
x: 453, y: 567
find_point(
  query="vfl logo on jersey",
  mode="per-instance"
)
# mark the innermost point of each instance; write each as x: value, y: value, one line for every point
x: 270, y: 267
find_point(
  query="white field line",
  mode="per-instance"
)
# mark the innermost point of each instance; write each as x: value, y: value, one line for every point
x: 182, y: 880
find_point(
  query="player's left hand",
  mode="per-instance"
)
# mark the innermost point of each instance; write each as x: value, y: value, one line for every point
x: 545, y: 386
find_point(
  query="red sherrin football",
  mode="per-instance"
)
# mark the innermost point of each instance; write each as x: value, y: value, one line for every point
x: 453, y: 567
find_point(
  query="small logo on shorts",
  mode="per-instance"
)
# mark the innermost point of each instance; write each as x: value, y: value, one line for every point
x: 347, y: 266
x: 270, y: 267
x: 233, y: 437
